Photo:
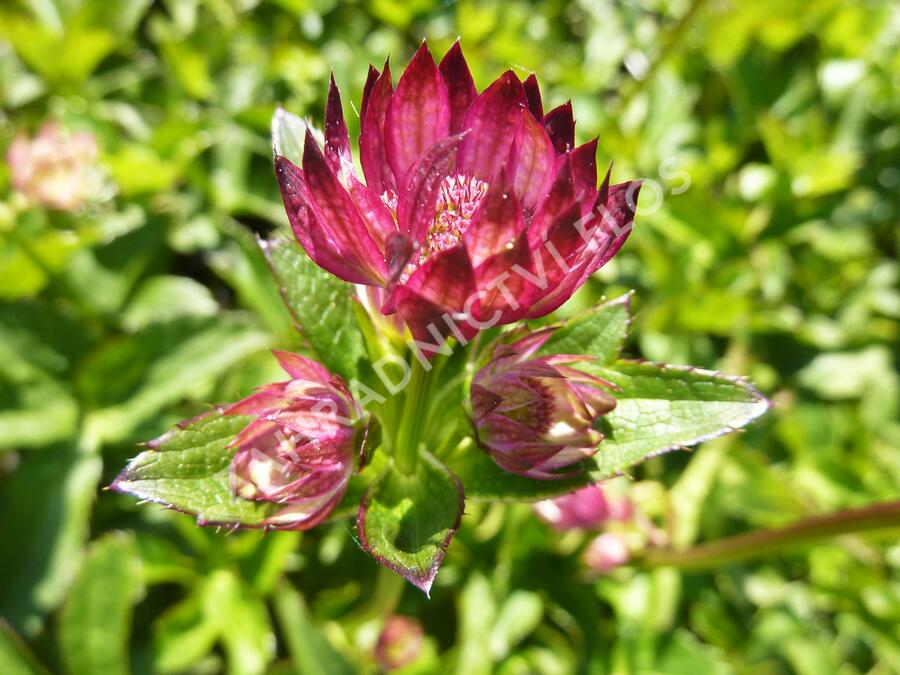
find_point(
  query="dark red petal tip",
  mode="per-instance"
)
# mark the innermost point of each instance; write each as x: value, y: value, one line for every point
x: 460, y: 85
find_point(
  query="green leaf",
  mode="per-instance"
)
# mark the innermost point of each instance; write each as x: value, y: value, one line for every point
x: 15, y: 658
x: 35, y: 414
x: 96, y: 621
x: 48, y: 540
x: 166, y: 297
x: 187, y: 469
x: 599, y: 332
x: 310, y: 650
x: 321, y: 304
x: 406, y: 521
x: 661, y: 408
x: 132, y: 378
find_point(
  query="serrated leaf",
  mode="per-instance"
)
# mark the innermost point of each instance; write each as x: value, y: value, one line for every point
x: 188, y: 470
x: 96, y: 621
x: 660, y: 408
x: 321, y: 304
x: 599, y: 332
x: 406, y: 521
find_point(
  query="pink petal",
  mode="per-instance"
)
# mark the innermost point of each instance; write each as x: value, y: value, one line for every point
x: 556, y: 202
x: 418, y: 115
x: 584, y: 168
x: 533, y: 95
x: 491, y: 121
x: 496, y: 222
x: 560, y: 125
x: 323, y: 250
x: 535, y: 161
x: 337, y: 139
x: 301, y: 368
x: 460, y: 85
x: 421, y: 187
x: 338, y: 218
x: 372, y: 152
x: 371, y: 79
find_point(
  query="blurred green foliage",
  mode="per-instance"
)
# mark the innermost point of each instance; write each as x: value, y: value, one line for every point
x: 766, y: 245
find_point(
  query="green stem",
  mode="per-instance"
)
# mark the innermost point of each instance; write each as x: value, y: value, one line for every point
x: 415, y: 408
x: 876, y: 517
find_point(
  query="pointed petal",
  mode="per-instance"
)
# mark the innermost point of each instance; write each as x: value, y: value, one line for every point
x: 301, y: 212
x: 442, y: 285
x: 496, y: 222
x: 301, y: 368
x: 557, y: 201
x: 378, y: 219
x: 419, y: 113
x: 533, y: 95
x: 584, y: 168
x: 535, y: 160
x: 560, y: 125
x: 372, y: 152
x: 460, y: 85
x: 337, y: 216
x: 337, y: 139
x: 421, y: 187
x: 371, y: 79
x: 491, y: 121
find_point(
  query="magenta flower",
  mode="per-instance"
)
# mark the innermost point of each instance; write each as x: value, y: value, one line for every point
x: 535, y: 415
x: 586, y: 508
x: 399, y: 642
x: 476, y: 206
x: 301, y: 449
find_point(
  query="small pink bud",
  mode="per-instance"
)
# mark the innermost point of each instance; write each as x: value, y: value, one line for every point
x: 536, y: 415
x: 399, y: 643
x: 301, y: 449
x: 584, y: 509
x: 606, y: 552
x: 54, y: 168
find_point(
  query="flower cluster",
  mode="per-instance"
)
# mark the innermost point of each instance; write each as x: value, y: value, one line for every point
x: 477, y: 208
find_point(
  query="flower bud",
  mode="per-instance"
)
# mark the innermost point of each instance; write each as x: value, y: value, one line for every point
x: 536, y: 415
x: 606, y: 552
x: 399, y: 643
x: 55, y: 168
x: 301, y: 449
x: 586, y: 508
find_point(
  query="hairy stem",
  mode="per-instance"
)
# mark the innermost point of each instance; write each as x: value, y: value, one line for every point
x: 884, y: 517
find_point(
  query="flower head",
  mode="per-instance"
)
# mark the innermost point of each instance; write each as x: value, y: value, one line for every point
x: 535, y: 415
x: 399, y: 643
x: 477, y: 208
x: 301, y: 449
x: 54, y: 168
x: 586, y: 508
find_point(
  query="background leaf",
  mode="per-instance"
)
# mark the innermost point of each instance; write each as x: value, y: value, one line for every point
x: 95, y: 623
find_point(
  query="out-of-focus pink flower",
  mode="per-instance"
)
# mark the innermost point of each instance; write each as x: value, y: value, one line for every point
x: 586, y: 508
x: 535, y: 415
x: 301, y: 449
x: 399, y: 643
x: 476, y: 207
x: 606, y: 552
x: 53, y: 168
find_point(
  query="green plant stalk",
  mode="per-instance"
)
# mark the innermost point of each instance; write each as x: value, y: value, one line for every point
x: 882, y: 517
x: 415, y: 408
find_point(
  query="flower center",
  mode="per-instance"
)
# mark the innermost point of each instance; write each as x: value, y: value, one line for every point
x: 458, y: 198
